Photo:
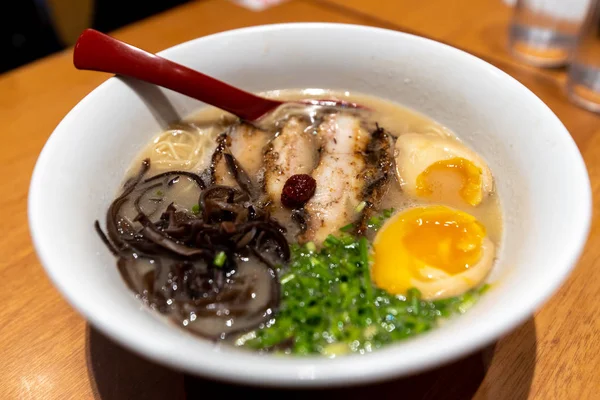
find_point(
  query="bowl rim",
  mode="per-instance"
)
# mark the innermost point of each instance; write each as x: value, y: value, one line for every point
x: 313, y: 372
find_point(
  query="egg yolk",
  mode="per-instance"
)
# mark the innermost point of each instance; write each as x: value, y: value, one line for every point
x: 418, y: 243
x: 468, y: 173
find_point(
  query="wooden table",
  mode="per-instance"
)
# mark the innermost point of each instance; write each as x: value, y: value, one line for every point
x: 47, y: 351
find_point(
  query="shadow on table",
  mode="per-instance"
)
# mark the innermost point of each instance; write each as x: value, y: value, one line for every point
x: 501, y: 371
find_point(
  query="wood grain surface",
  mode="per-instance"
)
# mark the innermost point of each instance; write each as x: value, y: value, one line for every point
x: 47, y: 351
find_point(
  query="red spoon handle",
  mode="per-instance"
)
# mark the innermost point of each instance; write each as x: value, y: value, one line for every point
x: 99, y: 52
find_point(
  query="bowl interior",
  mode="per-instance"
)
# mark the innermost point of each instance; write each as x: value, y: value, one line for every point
x: 82, y: 166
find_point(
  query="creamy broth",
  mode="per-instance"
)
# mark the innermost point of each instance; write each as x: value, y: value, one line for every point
x: 193, y: 146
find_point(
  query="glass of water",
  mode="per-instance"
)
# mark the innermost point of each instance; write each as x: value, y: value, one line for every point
x: 583, y: 82
x: 543, y: 33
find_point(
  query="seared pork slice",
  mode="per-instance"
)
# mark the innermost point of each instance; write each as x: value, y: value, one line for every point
x: 246, y: 144
x: 220, y: 173
x: 292, y: 152
x: 377, y: 175
x: 339, y: 177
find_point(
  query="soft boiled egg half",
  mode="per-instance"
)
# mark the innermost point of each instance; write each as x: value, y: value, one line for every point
x: 441, y: 169
x: 439, y: 250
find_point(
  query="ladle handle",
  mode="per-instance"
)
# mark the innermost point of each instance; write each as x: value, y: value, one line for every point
x: 99, y: 52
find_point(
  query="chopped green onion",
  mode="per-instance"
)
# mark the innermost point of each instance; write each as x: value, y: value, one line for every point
x: 484, y: 288
x: 287, y: 278
x: 347, y: 228
x: 331, y: 241
x: 361, y: 206
x: 413, y: 297
x: 196, y: 209
x: 329, y: 305
x: 335, y: 349
x: 220, y: 259
x: 376, y: 221
x: 159, y: 193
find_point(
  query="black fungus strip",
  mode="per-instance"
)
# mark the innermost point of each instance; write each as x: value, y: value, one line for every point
x: 299, y: 217
x: 241, y: 176
x: 183, y: 249
x: 124, y: 265
x: 112, y: 215
x: 104, y: 238
x: 137, y: 201
x: 195, y: 177
x: 150, y: 232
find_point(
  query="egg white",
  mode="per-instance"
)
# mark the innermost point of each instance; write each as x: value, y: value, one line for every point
x: 415, y: 152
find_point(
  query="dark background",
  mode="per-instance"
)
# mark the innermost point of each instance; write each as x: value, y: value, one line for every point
x: 27, y: 32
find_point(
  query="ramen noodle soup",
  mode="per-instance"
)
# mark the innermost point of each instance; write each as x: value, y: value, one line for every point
x: 316, y: 230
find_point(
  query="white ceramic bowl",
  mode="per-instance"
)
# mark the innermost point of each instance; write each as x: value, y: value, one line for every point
x: 541, y: 179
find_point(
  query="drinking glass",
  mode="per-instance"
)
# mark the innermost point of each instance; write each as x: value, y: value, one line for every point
x: 543, y: 33
x: 583, y: 81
